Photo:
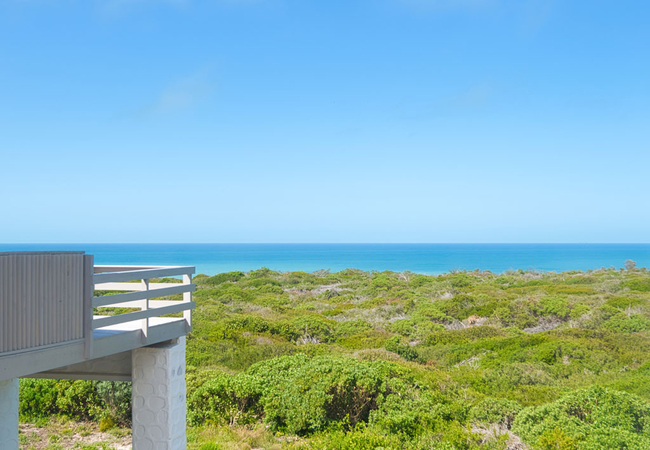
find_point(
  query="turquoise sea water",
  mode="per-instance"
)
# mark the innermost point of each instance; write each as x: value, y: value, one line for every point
x: 422, y: 258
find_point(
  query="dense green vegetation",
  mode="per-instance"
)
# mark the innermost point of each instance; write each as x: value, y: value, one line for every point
x: 366, y: 360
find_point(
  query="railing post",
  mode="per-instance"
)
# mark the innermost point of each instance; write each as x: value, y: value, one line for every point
x: 187, y: 297
x: 88, y: 293
x: 145, y: 307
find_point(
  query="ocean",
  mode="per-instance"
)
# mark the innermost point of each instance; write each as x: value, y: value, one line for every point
x: 421, y: 258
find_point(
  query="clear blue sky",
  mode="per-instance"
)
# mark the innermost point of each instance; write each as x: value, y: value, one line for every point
x: 324, y: 121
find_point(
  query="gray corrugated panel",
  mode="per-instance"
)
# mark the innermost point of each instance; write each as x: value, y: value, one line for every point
x: 41, y: 299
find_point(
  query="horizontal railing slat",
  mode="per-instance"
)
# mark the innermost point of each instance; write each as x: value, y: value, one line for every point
x: 122, y: 268
x: 131, y: 286
x: 141, y: 295
x: 138, y: 304
x: 138, y: 315
x: 143, y: 274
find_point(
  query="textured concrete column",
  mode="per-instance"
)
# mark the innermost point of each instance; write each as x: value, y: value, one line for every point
x: 159, y: 411
x: 9, y: 414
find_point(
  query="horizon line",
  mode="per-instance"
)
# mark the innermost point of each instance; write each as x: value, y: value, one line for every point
x: 324, y: 243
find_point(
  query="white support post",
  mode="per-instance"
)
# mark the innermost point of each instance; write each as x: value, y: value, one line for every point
x: 144, y: 307
x: 187, y: 297
x: 9, y: 414
x: 159, y: 405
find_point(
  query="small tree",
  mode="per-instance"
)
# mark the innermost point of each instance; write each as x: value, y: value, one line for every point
x: 630, y: 265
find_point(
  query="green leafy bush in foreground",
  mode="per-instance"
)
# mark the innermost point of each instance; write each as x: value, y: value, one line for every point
x: 315, y: 392
x: 81, y: 400
x: 296, y: 394
x: 593, y: 418
x: 226, y: 399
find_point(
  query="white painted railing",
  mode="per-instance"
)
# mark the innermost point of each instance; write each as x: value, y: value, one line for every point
x: 141, y: 294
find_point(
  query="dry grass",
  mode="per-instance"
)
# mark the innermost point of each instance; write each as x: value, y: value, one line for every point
x: 235, y: 438
x: 61, y: 434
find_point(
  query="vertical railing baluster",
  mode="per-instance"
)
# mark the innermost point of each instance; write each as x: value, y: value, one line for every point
x: 145, y: 307
x: 187, y: 297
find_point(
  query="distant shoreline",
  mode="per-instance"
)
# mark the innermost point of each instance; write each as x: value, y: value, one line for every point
x: 431, y: 259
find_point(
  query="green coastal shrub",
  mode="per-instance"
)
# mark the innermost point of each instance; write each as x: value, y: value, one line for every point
x: 510, y: 377
x: 247, y: 322
x: 593, y: 418
x: 459, y: 307
x: 554, y: 306
x: 412, y: 412
x: 625, y: 302
x: 395, y: 345
x: 581, y: 279
x: 315, y: 327
x: 465, y: 335
x: 641, y: 285
x: 361, y: 438
x: 37, y: 398
x: 81, y: 400
x: 382, y: 283
x: 210, y: 446
x: 405, y: 412
x: 223, y: 277
x: 230, y: 292
x: 107, y: 423
x: 367, y: 340
x: 302, y: 395
x: 76, y: 399
x: 461, y: 280
x: 499, y: 411
x: 266, y: 285
x: 263, y: 272
x: 421, y: 280
x: 278, y: 303
x: 622, y: 323
x: 114, y: 401
x: 570, y: 290
x: 430, y: 312
x: 226, y: 399
x: 352, y: 327
x: 579, y: 310
x: 405, y: 327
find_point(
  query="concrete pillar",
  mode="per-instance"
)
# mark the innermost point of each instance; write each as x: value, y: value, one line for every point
x: 9, y: 414
x: 159, y: 411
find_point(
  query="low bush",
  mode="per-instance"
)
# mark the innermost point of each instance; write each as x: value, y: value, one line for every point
x: 81, y: 400
x: 641, y: 285
x: 593, y: 418
x: 395, y: 345
x: 226, y: 399
x: 498, y: 411
x: 302, y: 395
x: 223, y: 277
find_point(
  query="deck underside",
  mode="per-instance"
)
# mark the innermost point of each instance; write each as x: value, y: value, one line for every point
x: 55, y: 361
